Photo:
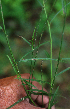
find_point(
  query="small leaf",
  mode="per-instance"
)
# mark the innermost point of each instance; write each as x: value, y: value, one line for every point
x: 63, y: 71
x: 40, y: 3
x: 47, y: 54
x: 1, y: 28
x: 35, y: 80
x: 27, y: 83
x: 54, y: 96
x: 25, y: 40
x: 31, y: 51
x: 38, y: 92
x: 12, y: 64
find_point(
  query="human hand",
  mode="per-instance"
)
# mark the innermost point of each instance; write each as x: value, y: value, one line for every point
x: 11, y: 90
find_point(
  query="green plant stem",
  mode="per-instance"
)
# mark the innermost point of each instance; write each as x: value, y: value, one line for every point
x: 50, y: 51
x: 28, y: 93
x: 59, y: 57
x: 14, y: 62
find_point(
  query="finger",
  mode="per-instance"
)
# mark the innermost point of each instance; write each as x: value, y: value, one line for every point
x: 46, y: 105
x: 53, y: 107
x: 38, y: 98
x: 27, y: 105
x: 42, y: 100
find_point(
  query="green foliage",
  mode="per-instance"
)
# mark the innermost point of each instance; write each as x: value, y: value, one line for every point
x: 52, y: 102
x: 63, y: 71
x: 0, y: 28
x: 48, y: 18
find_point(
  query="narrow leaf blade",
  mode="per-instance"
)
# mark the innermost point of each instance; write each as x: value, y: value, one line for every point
x: 63, y: 71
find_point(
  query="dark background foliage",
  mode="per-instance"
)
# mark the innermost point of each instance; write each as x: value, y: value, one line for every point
x: 21, y: 17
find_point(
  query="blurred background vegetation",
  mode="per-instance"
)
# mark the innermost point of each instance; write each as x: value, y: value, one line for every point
x: 21, y: 17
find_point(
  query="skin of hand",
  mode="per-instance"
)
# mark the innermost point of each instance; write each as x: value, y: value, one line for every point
x: 11, y: 90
